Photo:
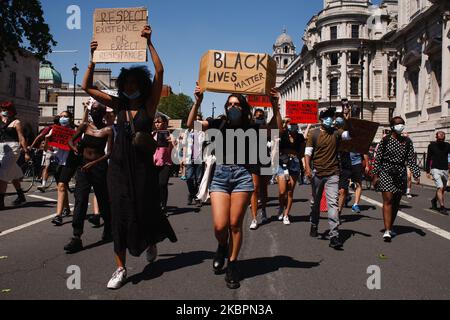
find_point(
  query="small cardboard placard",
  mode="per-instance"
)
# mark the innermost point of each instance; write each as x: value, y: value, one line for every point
x: 304, y: 112
x: 237, y: 72
x: 259, y: 101
x: 60, y: 137
x: 118, y: 33
x: 363, y: 134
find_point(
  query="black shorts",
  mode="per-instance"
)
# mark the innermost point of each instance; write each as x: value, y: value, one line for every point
x: 354, y: 174
x: 64, y: 174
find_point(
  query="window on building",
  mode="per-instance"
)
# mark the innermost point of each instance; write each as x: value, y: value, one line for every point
x: 333, y: 33
x: 354, y: 57
x: 355, y: 31
x: 354, y: 86
x: 392, y: 86
x: 71, y: 109
x: 54, y: 112
x: 12, y: 84
x: 414, y: 80
x: 286, y: 49
x: 286, y: 62
x: 40, y: 112
x: 28, y: 88
x: 334, y: 86
x: 334, y: 58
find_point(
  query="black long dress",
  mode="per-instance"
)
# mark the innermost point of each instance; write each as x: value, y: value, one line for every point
x: 136, y: 216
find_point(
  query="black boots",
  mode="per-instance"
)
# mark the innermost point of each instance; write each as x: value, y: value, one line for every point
x: 232, y: 275
x: 219, y: 259
x: 20, y: 198
x: 75, y: 245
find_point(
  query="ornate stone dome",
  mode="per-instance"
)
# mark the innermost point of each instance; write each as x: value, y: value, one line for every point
x: 284, y: 38
x: 48, y: 74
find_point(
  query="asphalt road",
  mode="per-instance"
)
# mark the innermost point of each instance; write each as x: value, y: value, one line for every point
x: 277, y: 261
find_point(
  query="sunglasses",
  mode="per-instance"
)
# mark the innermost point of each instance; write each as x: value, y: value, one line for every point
x: 233, y: 104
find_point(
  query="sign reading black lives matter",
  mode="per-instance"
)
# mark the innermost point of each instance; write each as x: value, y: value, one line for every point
x: 118, y: 33
x: 238, y: 72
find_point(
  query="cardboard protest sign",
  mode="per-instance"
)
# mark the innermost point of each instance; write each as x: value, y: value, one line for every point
x: 302, y: 111
x: 118, y: 33
x: 60, y: 137
x: 363, y: 134
x: 237, y: 72
x: 259, y: 101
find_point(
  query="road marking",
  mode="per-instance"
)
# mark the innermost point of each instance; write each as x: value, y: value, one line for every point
x: 436, y: 230
x: 31, y: 223
x: 404, y: 201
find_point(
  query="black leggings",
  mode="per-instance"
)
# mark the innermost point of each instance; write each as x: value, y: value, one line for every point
x: 164, y: 175
x: 96, y: 178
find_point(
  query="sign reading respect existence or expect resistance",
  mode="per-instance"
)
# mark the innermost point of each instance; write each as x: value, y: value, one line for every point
x: 118, y: 33
x: 237, y: 72
x: 60, y: 137
x: 302, y: 112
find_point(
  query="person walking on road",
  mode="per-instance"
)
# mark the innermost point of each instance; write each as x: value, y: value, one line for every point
x: 138, y: 222
x: 394, y: 154
x: 437, y: 169
x: 232, y: 185
x: 322, y: 151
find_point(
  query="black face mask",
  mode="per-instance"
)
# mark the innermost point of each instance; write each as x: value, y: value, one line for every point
x: 97, y: 117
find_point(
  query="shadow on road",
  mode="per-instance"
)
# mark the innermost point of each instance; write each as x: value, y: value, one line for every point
x: 175, y: 262
x: 356, y: 217
x: 255, y: 267
x: 174, y: 211
x: 35, y: 204
x: 406, y: 229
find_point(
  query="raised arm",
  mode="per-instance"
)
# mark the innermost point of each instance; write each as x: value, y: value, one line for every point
x: 194, y: 111
x: 158, y: 80
x: 81, y: 129
x: 276, y: 122
x: 88, y: 84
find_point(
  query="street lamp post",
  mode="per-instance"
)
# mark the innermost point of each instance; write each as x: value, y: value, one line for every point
x: 75, y: 72
x: 362, y: 61
x: 213, y: 109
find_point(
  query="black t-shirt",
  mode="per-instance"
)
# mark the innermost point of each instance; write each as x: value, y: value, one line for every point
x: 297, y: 144
x: 437, y: 157
x: 244, y: 150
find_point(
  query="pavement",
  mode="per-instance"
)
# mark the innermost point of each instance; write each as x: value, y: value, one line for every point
x: 277, y: 262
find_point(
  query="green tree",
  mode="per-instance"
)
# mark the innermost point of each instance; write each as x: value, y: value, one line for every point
x: 22, y: 26
x: 176, y: 106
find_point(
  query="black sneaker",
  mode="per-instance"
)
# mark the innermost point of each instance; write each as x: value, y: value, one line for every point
x: 434, y: 204
x: 66, y: 212
x: 232, y: 275
x: 95, y: 220
x: 57, y: 221
x: 198, y: 203
x: 19, y: 201
x: 75, y: 245
x: 219, y: 259
x: 42, y: 189
x: 443, y: 211
x: 190, y: 201
x: 313, y: 232
x: 335, y: 243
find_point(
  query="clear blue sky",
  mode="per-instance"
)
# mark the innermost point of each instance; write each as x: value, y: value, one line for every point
x: 182, y: 31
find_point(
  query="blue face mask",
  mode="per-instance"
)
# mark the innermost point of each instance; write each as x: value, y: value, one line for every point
x: 132, y: 96
x: 292, y: 128
x: 340, y: 122
x: 328, y: 122
x: 234, y: 115
x: 5, y: 113
x: 64, y: 121
x: 260, y: 121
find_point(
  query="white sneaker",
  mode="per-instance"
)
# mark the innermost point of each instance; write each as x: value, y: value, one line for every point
x: 254, y: 224
x: 263, y: 216
x: 409, y: 196
x: 280, y: 213
x: 152, y: 253
x: 286, y: 220
x: 387, y: 236
x: 118, y: 279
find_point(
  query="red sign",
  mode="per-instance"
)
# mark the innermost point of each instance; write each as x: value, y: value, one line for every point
x: 60, y: 137
x: 302, y: 111
x: 259, y: 101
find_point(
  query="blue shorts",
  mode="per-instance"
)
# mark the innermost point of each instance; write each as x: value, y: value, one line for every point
x: 293, y: 167
x: 231, y: 179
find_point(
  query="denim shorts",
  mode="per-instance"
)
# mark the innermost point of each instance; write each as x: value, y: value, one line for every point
x: 293, y: 167
x: 231, y: 179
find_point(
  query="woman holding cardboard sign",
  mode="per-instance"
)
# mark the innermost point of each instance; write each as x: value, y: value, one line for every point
x: 138, y: 223
x: 232, y: 185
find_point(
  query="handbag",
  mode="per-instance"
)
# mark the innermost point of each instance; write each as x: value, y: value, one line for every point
x: 141, y: 140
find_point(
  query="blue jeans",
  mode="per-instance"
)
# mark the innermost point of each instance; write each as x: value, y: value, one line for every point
x: 231, y: 179
x: 194, y: 174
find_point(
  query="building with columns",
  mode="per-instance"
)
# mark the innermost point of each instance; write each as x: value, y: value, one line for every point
x: 423, y: 43
x: 328, y: 68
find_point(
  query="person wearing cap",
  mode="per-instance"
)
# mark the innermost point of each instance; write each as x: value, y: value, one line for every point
x: 11, y: 140
x: 321, y: 150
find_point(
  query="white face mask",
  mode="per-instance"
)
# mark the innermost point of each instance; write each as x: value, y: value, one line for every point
x: 5, y: 114
x: 132, y: 96
x: 399, y: 128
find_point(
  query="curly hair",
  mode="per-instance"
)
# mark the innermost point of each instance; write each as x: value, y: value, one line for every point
x: 143, y: 77
x: 9, y: 105
x: 246, y: 108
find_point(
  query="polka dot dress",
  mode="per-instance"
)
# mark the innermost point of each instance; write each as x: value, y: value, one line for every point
x: 390, y: 164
